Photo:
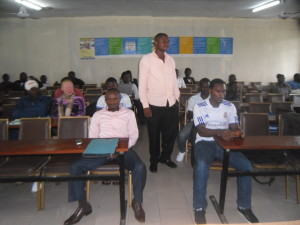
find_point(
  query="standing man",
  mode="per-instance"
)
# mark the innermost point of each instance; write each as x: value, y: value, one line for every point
x: 159, y: 94
x: 217, y: 117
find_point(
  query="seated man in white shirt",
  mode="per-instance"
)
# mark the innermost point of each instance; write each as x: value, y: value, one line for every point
x: 109, y: 84
x: 180, y: 81
x: 112, y: 121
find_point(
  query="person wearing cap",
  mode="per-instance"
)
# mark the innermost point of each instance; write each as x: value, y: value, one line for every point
x: 34, y: 104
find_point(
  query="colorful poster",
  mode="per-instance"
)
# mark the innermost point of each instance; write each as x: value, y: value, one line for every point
x: 213, y: 45
x: 199, y: 45
x: 144, y: 45
x: 226, y: 45
x: 87, y: 48
x: 116, y: 46
x: 186, y: 45
x: 174, y: 45
x: 101, y: 46
x: 129, y: 46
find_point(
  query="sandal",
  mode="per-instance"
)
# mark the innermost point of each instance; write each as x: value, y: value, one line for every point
x: 106, y: 182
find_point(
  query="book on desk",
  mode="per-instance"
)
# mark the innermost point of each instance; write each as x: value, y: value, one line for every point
x: 101, y: 148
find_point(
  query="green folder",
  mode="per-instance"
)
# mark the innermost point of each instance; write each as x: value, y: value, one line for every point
x: 101, y: 148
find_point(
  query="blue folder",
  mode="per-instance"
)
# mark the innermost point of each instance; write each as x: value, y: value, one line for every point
x: 101, y: 148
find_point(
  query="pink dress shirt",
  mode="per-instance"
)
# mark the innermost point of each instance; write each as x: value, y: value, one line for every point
x: 118, y: 124
x: 157, y: 81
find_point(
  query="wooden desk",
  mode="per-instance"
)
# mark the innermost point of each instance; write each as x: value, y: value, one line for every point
x: 249, y: 143
x: 62, y: 146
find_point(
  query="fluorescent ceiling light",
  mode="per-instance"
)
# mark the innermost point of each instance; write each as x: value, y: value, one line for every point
x: 31, y: 4
x: 265, y: 6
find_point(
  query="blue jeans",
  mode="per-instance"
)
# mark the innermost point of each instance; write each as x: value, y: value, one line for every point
x: 132, y: 162
x: 184, y: 135
x: 205, y: 153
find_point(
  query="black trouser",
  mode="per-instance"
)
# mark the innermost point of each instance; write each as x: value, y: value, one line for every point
x: 164, y: 123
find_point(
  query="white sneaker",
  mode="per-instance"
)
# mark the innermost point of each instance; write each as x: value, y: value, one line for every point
x: 180, y: 157
x: 34, y: 187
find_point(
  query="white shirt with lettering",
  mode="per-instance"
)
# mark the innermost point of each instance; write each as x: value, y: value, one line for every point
x: 214, y: 118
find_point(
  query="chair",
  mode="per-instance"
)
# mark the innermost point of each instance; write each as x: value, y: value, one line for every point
x: 289, y: 125
x: 68, y: 127
x: 184, y: 97
x: 10, y: 100
x: 16, y: 93
x: 257, y: 124
x: 185, y: 90
x: 3, y: 135
x: 92, y: 98
x: 275, y: 97
x: 85, y: 86
x: 30, y: 129
x: 281, y: 107
x: 259, y: 107
x: 253, y: 97
x: 94, y: 91
x: 194, y: 87
x: 8, y: 110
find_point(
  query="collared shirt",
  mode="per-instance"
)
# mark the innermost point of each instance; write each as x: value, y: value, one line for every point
x: 129, y: 89
x: 118, y: 124
x: 294, y: 85
x: 214, y: 118
x: 180, y: 82
x: 157, y: 81
x: 283, y: 89
x: 125, y: 102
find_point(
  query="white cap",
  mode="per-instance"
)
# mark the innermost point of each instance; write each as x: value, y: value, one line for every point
x: 30, y: 84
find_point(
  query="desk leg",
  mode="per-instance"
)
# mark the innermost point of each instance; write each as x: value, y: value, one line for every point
x: 122, y: 190
x: 224, y: 177
x: 219, y: 207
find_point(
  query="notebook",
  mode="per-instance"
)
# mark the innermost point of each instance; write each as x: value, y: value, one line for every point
x: 101, y: 148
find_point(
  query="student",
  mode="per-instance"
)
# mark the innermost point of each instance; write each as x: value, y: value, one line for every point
x: 68, y: 104
x: 180, y: 81
x: 295, y: 84
x: 112, y: 121
x: 185, y: 133
x: 131, y: 90
x: 233, y: 92
x: 109, y: 84
x: 159, y: 94
x: 34, y: 104
x: 188, y: 79
x: 281, y: 87
x: 75, y: 80
x: 217, y: 117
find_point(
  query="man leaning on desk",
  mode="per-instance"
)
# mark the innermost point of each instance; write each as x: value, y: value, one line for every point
x: 217, y: 117
x: 112, y: 121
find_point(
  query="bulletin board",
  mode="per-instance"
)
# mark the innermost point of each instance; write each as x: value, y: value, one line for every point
x: 91, y: 48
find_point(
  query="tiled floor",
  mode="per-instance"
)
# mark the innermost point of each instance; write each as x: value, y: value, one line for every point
x: 167, y: 199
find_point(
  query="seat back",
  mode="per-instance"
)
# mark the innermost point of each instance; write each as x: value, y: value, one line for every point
x: 16, y: 93
x: 275, y: 98
x: 281, y: 107
x: 253, y: 97
x: 73, y: 127
x: 35, y: 128
x: 92, y: 98
x: 254, y: 124
x: 3, y: 129
x: 8, y: 110
x: 289, y: 124
x: 85, y: 86
x: 94, y: 91
x: 185, y: 90
x: 259, y: 107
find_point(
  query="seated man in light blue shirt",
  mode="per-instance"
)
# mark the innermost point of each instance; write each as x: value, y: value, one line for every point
x: 109, y: 84
x: 295, y: 84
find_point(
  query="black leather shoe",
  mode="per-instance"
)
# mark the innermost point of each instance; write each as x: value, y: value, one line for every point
x: 78, y: 214
x: 138, y: 210
x: 153, y: 167
x: 168, y: 162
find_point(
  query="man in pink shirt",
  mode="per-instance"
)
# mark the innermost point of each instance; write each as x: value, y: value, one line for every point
x: 112, y: 121
x: 159, y: 94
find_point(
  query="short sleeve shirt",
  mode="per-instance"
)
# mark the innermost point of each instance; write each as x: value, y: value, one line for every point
x: 214, y: 118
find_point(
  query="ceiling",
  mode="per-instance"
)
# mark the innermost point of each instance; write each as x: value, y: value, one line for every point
x: 156, y: 8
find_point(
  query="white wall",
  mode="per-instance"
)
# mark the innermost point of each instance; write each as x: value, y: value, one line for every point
x: 262, y: 48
